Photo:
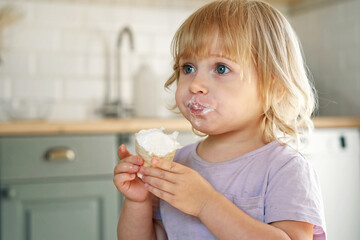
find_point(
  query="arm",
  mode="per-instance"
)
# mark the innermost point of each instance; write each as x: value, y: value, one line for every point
x: 135, y: 220
x: 220, y: 213
x: 186, y: 190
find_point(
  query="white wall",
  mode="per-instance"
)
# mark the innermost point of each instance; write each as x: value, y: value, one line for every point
x: 330, y: 35
x: 65, y: 51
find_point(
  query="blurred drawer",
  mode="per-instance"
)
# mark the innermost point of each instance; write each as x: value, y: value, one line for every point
x: 57, y: 156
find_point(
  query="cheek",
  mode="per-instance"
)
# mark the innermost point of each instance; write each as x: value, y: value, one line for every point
x: 180, y: 93
x: 180, y: 99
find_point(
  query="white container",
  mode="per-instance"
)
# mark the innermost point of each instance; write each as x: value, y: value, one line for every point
x: 147, y: 93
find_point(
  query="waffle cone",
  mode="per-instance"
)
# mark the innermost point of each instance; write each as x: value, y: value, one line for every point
x: 147, y: 157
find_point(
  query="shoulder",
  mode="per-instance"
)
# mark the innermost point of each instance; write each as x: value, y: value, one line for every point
x: 286, y: 160
x: 289, y: 169
x: 288, y: 165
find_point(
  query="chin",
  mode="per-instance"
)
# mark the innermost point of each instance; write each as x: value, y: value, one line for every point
x: 203, y: 128
x: 200, y: 124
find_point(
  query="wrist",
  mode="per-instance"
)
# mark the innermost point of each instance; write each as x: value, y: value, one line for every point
x: 146, y: 201
x: 213, y: 198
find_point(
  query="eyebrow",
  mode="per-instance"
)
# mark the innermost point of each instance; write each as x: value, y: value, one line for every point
x: 210, y: 55
x: 223, y: 56
x: 219, y: 56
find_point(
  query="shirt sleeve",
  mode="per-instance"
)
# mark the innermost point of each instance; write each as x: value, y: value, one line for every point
x: 293, y: 193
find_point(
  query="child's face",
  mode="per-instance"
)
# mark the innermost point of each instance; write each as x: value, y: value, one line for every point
x: 215, y: 98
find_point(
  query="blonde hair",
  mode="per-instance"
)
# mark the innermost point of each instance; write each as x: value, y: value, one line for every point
x: 254, y: 33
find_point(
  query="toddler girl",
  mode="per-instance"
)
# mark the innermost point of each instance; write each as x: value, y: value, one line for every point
x: 240, y: 80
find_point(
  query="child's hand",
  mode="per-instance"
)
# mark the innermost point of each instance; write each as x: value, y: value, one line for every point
x: 125, y: 178
x: 180, y: 186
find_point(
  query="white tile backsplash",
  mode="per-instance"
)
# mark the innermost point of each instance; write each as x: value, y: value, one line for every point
x: 36, y: 39
x: 96, y: 66
x: 74, y: 110
x: 83, y: 90
x: 58, y: 14
x: 66, y: 50
x: 5, y: 88
x: 17, y: 64
x: 144, y: 42
x: 58, y: 64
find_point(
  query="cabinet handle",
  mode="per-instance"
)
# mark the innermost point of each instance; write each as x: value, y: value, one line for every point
x: 8, y: 193
x: 60, y: 154
x: 342, y: 142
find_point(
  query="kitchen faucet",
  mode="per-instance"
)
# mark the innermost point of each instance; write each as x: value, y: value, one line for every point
x: 117, y: 108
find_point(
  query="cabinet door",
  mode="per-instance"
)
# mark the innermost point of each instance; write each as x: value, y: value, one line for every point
x: 26, y: 157
x: 334, y: 153
x: 57, y: 211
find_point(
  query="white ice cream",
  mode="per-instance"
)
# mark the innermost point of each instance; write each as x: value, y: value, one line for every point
x: 156, y: 142
x: 192, y: 103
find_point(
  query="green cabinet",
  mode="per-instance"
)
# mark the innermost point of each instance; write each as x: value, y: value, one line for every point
x: 58, y: 197
x: 58, y: 211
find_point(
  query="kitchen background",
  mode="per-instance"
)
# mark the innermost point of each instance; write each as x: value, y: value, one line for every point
x: 63, y: 56
x: 64, y: 52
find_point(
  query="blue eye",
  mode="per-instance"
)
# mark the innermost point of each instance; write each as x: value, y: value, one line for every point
x: 187, y: 68
x: 222, y: 69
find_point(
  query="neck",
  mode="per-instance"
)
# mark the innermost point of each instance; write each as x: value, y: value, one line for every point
x: 226, y: 146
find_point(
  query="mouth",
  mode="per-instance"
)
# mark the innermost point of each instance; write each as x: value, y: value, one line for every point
x: 197, y: 108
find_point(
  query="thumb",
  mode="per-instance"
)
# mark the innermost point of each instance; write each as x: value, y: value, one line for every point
x: 165, y: 164
x: 123, y: 152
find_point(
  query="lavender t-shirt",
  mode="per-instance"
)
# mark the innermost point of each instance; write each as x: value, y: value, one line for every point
x: 272, y: 183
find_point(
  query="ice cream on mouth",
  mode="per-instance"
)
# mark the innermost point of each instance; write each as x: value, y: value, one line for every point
x: 198, y: 108
x: 154, y: 143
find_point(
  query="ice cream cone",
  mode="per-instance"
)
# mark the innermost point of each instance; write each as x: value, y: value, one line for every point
x: 148, y: 156
x: 154, y: 143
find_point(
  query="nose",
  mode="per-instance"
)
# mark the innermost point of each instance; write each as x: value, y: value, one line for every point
x: 199, y: 85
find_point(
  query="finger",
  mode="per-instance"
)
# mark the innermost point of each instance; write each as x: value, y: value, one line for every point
x: 159, y: 193
x: 166, y: 165
x: 123, y: 152
x: 158, y: 173
x: 119, y: 179
x: 160, y: 184
x: 125, y: 167
x: 133, y: 160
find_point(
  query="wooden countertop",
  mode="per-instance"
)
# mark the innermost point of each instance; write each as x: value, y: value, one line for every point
x: 91, y: 126
x: 132, y: 125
